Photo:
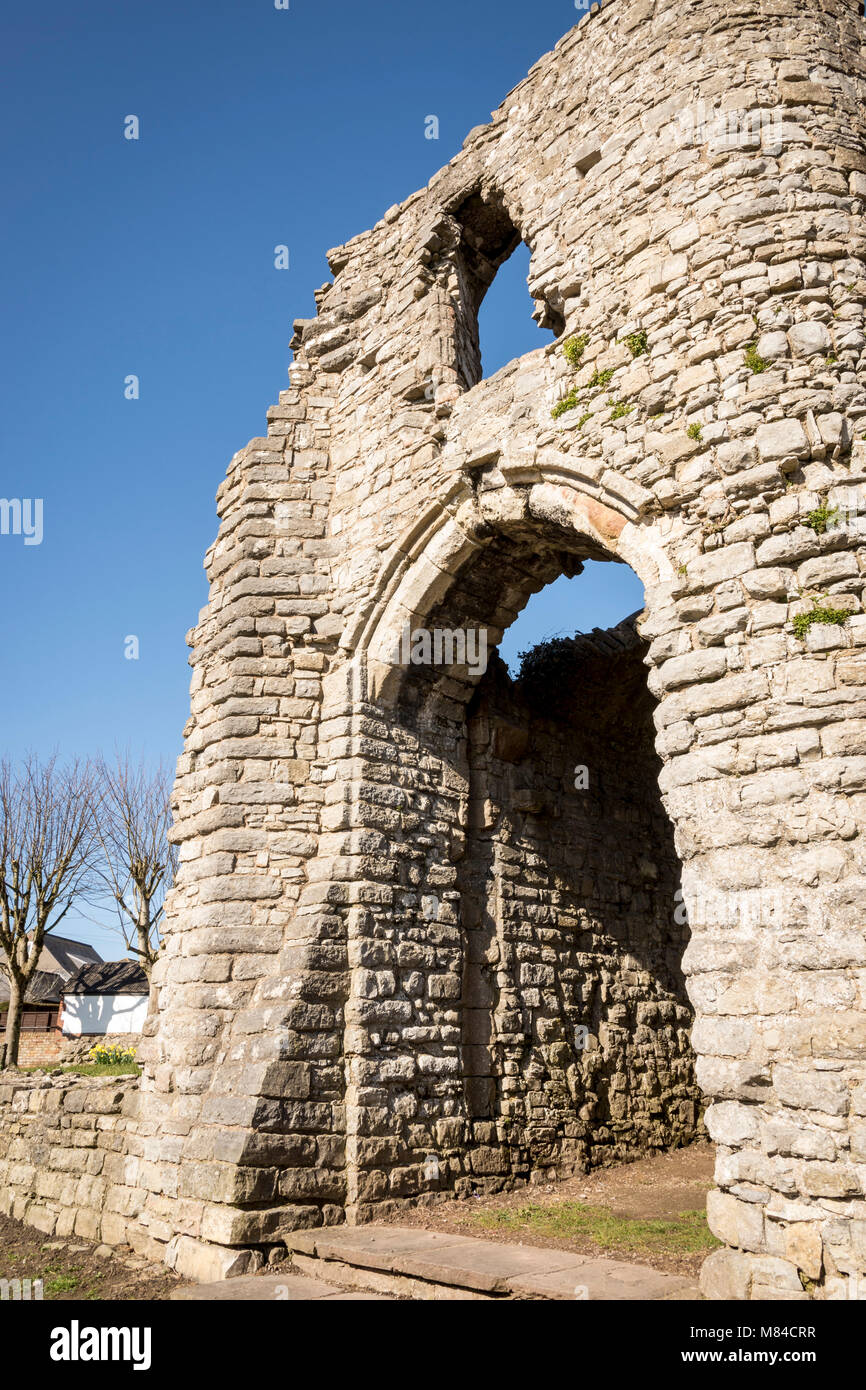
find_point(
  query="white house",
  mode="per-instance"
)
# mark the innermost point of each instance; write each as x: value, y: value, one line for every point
x: 108, y: 998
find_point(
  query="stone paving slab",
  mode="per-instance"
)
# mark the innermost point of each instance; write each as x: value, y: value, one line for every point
x: 489, y: 1267
x: 605, y: 1280
x: 485, y: 1265
x: 263, y: 1288
x: 383, y: 1248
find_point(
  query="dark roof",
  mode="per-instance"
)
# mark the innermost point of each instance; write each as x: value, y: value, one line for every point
x: 44, y: 988
x: 64, y: 955
x: 109, y: 977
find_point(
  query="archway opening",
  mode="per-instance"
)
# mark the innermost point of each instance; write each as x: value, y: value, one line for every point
x: 488, y: 265
x: 535, y: 891
x: 507, y: 329
x: 575, y: 1020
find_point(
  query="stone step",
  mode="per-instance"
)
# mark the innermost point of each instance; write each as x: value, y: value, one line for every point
x: 290, y: 1287
x: 417, y: 1264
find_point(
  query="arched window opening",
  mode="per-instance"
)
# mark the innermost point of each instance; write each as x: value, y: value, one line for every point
x: 487, y: 239
x: 506, y: 327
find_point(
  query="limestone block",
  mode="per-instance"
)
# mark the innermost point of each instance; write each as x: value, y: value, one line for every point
x: 783, y: 441
x: 738, y: 1224
x: 809, y: 338
x: 809, y: 1090
x: 207, y: 1264
x: 725, y: 1277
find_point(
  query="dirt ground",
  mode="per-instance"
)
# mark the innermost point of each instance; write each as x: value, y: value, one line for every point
x: 72, y: 1270
x: 649, y: 1212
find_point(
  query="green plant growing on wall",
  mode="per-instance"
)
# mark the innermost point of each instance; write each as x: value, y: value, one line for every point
x: 821, y: 518
x: 620, y: 409
x: 694, y: 431
x: 821, y: 612
x: 583, y: 419
x: 600, y: 379
x: 637, y: 343
x: 574, y: 347
x: 754, y: 361
x: 567, y: 403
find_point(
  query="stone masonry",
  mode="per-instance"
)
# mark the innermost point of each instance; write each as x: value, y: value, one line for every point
x: 395, y: 912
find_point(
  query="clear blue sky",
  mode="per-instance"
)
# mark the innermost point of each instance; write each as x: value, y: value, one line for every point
x: 155, y: 257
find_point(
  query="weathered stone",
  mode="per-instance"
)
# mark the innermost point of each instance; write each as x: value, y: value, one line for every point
x: 783, y: 441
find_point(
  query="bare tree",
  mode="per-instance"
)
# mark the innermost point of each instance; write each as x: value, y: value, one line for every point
x: 47, y: 845
x: 138, y: 865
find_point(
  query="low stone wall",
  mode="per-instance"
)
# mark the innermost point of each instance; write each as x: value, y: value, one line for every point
x: 63, y: 1167
x: 70, y: 1163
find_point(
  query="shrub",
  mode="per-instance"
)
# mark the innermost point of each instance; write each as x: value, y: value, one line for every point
x: 567, y: 403
x: 601, y: 378
x: 637, y: 343
x: 821, y: 518
x: 754, y: 361
x: 821, y: 613
x: 573, y: 348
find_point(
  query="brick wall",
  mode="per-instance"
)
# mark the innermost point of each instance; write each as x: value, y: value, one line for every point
x: 53, y: 1049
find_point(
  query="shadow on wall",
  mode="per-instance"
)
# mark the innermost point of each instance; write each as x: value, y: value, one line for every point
x: 575, y: 1020
x: 85, y: 1014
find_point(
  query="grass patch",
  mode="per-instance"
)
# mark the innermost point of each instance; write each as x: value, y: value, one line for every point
x: 60, y: 1284
x: 685, y: 1234
x: 695, y: 431
x: 105, y: 1069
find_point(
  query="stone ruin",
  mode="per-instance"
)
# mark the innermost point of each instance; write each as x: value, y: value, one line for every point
x: 409, y: 954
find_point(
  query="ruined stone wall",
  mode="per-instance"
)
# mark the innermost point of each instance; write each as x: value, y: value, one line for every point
x: 691, y: 180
